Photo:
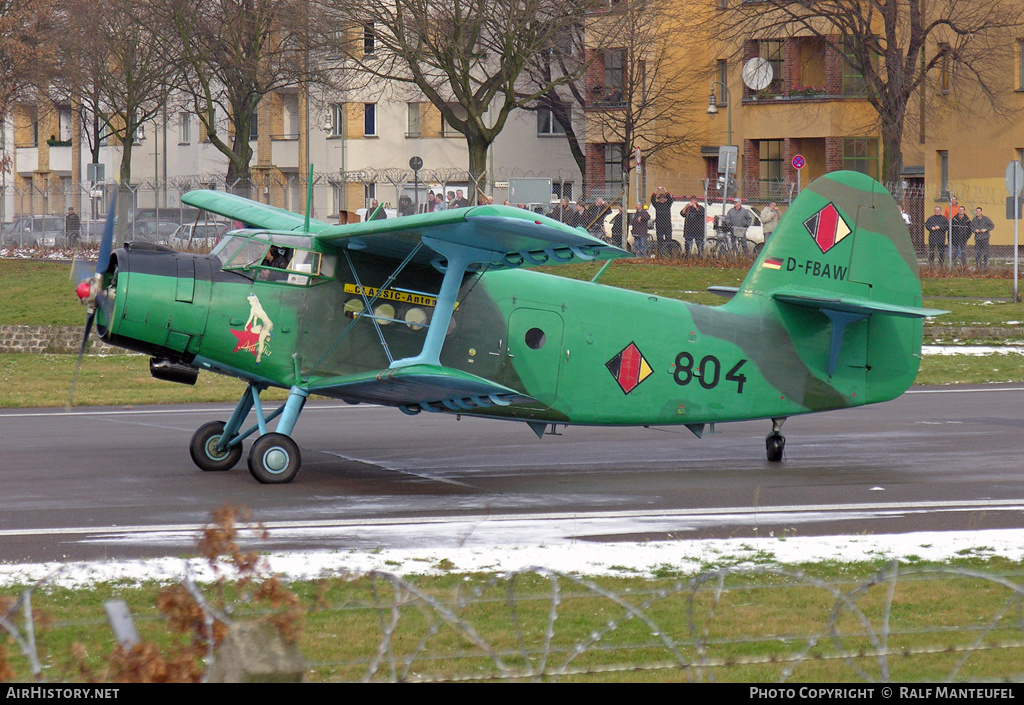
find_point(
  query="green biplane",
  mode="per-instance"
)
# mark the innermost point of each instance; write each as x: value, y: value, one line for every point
x: 440, y: 313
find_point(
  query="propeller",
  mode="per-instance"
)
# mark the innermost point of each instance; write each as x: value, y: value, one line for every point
x: 90, y: 290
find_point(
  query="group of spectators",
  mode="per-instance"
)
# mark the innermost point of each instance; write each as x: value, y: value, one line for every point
x: 960, y: 228
x: 733, y: 224
x: 435, y: 202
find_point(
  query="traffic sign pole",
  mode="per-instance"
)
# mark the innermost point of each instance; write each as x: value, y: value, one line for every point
x: 798, y: 163
x: 1014, y: 184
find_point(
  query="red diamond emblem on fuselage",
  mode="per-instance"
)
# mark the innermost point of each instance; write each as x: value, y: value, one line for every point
x: 629, y: 368
x: 827, y: 227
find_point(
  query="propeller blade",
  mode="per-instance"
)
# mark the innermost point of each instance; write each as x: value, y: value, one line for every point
x: 81, y: 353
x: 81, y: 270
x: 106, y: 244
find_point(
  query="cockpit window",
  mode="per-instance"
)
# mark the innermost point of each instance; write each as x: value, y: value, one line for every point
x: 250, y: 253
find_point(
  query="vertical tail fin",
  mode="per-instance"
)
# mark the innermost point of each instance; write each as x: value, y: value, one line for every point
x: 841, y: 273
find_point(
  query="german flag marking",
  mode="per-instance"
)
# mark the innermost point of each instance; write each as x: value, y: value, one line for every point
x: 772, y: 263
x: 629, y: 368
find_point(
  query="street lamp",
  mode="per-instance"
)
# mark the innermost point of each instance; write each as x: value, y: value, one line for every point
x: 713, y: 105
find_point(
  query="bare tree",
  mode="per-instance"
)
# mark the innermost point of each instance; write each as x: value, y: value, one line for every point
x: 640, y: 76
x: 562, y: 103
x: 896, y: 46
x: 468, y: 57
x: 230, y: 54
x: 112, y: 66
x: 26, y: 49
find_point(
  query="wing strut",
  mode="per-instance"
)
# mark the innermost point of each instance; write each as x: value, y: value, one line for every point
x: 459, y: 259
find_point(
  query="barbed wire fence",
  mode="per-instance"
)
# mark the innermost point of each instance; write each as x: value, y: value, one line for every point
x: 765, y: 624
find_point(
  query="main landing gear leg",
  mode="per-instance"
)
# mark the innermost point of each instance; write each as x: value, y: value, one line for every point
x: 775, y: 442
x: 274, y: 458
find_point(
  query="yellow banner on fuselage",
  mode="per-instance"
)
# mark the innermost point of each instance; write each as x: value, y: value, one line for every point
x: 407, y: 297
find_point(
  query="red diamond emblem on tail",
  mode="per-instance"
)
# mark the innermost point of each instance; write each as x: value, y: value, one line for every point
x: 827, y: 227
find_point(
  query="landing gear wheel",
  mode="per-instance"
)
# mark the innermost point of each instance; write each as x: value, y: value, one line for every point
x: 203, y: 449
x: 775, y: 443
x: 274, y: 459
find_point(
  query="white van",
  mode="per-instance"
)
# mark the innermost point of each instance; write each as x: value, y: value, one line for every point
x: 755, y: 233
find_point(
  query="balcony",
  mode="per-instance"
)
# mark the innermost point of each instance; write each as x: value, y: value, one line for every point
x: 285, y: 153
x: 60, y: 159
x: 27, y: 160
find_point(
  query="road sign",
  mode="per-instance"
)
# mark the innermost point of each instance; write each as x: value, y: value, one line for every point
x: 415, y: 163
x: 798, y: 162
x: 727, y: 159
x: 1014, y: 178
x: 638, y: 156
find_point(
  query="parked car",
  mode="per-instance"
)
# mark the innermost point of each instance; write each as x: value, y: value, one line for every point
x: 201, y: 236
x: 157, y: 231
x: 34, y: 231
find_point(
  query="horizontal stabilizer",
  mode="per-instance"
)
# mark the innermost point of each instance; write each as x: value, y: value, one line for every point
x: 853, y: 305
x: 419, y: 388
x: 500, y: 237
x: 252, y: 213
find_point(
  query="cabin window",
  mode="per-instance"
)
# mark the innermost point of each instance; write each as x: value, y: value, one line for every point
x: 535, y: 339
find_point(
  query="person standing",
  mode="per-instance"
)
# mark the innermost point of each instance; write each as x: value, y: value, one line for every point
x: 739, y: 219
x: 770, y: 217
x: 982, y: 227
x: 617, y: 222
x: 638, y: 228
x: 961, y: 226
x: 693, y: 227
x: 936, y: 225
x: 376, y: 211
x: 594, y: 217
x: 661, y: 202
x: 72, y: 228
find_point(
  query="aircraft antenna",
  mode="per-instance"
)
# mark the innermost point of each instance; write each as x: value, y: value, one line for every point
x: 309, y: 198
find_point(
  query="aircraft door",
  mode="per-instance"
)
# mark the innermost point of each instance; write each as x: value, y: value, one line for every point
x: 535, y: 351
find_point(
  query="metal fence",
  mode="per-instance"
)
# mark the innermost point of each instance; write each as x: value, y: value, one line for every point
x: 402, y: 191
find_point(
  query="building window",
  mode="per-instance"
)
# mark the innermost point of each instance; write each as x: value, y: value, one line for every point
x: 369, y: 193
x: 614, y: 66
x: 139, y: 134
x: 413, y: 126
x: 290, y: 105
x: 771, y: 50
x: 370, y: 119
x: 944, y: 71
x: 943, y: 174
x: 613, y: 154
x: 861, y: 154
x: 184, y: 128
x: 369, y: 39
x: 1020, y: 64
x: 853, y: 79
x: 547, y: 125
x: 771, y: 159
x: 254, y: 127
x: 337, y: 124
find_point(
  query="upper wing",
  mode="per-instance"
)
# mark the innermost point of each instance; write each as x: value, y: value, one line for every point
x: 499, y: 236
x: 253, y: 213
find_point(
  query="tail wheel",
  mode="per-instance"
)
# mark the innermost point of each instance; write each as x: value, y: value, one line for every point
x: 204, y: 452
x: 775, y: 443
x: 274, y: 459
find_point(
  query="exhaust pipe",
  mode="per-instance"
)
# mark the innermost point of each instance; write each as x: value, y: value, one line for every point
x: 172, y: 371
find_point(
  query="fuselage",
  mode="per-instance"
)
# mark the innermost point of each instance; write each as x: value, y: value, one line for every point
x: 583, y: 352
